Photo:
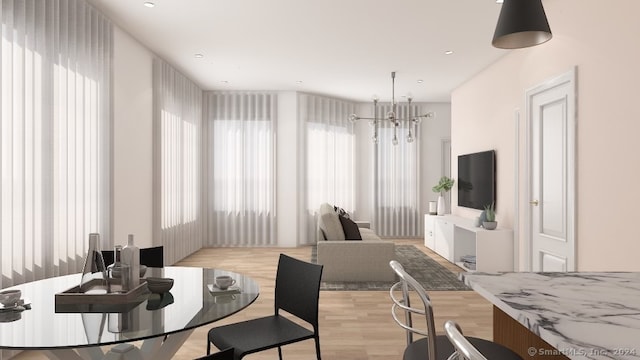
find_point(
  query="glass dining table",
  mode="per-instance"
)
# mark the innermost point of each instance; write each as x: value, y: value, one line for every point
x: 163, y: 322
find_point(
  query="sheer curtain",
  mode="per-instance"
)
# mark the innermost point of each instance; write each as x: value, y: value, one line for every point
x: 329, y: 154
x: 55, y: 136
x: 177, y: 162
x: 240, y: 138
x: 396, y: 177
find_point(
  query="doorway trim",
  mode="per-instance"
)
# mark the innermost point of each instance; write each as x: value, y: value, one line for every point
x: 567, y: 77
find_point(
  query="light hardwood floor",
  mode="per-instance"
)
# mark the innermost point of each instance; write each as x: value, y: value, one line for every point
x: 353, y: 324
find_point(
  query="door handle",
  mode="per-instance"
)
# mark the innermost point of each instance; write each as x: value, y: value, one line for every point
x: 534, y: 202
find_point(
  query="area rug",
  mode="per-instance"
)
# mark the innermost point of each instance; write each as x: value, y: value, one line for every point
x: 431, y: 275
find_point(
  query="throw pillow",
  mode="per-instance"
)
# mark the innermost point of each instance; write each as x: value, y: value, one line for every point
x: 341, y: 211
x: 351, y: 231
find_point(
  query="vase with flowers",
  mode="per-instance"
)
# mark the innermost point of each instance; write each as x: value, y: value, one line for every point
x: 444, y: 185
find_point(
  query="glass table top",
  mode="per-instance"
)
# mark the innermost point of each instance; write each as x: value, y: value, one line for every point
x: 188, y: 305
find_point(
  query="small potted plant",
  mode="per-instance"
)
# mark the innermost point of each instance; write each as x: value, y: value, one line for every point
x: 490, y: 222
x: 445, y: 184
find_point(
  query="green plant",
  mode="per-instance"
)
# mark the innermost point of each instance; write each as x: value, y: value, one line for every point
x: 490, y: 212
x: 445, y: 184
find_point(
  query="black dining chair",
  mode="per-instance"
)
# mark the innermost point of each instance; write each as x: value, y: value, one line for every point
x: 297, y: 293
x: 432, y: 346
x: 150, y: 257
x: 221, y: 355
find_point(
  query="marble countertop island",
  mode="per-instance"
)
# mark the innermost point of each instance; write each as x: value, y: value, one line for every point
x: 583, y: 315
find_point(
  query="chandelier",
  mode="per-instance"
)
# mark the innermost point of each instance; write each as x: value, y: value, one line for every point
x: 392, y: 117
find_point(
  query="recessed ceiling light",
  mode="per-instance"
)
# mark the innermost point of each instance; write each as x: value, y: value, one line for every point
x: 225, y: 81
x: 199, y: 56
x: 149, y: 4
x: 448, y: 52
x: 420, y: 81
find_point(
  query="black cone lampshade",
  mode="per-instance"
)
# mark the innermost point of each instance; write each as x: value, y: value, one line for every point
x: 522, y: 23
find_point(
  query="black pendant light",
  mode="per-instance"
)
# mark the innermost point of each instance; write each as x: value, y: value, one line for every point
x: 522, y: 23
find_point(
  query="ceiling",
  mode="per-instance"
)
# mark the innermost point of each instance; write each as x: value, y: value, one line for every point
x: 341, y: 48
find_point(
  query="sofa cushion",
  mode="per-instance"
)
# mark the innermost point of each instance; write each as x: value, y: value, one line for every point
x: 330, y: 223
x: 368, y: 234
x: 350, y: 229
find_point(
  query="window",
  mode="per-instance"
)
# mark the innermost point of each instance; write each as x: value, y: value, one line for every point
x: 178, y: 157
x: 329, y: 147
x: 54, y: 135
x: 241, y: 162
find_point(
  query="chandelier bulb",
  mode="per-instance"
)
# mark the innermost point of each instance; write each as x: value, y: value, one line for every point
x: 395, y: 140
x: 409, y: 137
x: 417, y: 120
x: 391, y: 115
x: 353, y: 118
x: 374, y: 138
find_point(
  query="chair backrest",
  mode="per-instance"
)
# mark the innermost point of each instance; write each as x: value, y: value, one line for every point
x: 298, y: 288
x: 403, y: 304
x: 464, y: 349
x: 151, y: 257
x: 221, y: 355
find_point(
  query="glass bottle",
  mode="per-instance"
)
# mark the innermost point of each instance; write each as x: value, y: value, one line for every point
x: 131, y: 258
x: 94, y: 272
x: 114, y: 269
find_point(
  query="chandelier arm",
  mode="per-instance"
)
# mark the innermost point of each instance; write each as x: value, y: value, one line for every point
x: 393, y: 90
x: 409, y: 113
x: 371, y: 118
x: 375, y: 121
x: 392, y: 116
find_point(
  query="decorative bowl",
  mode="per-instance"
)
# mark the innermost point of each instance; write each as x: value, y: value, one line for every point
x: 159, y: 285
x: 9, y: 316
x: 10, y: 297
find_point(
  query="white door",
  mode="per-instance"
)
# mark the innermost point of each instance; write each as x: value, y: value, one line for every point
x: 551, y: 112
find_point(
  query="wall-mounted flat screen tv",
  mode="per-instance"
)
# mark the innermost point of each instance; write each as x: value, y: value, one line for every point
x: 477, y: 179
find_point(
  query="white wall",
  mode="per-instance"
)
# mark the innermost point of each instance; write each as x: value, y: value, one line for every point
x: 132, y: 140
x: 600, y: 39
x: 432, y: 131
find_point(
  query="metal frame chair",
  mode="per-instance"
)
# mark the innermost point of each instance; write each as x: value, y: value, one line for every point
x: 297, y: 293
x: 432, y: 346
x: 464, y: 349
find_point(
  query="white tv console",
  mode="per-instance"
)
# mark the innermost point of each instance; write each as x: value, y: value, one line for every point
x: 453, y: 237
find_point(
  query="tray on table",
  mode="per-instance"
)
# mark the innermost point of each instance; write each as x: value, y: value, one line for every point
x: 72, y: 300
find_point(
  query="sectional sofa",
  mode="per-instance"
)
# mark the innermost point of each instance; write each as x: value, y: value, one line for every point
x: 351, y: 260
